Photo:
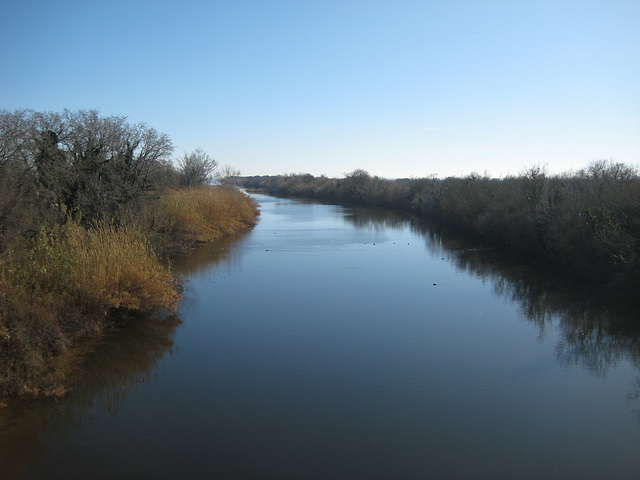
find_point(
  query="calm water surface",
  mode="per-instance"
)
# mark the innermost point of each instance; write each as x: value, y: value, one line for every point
x: 340, y: 343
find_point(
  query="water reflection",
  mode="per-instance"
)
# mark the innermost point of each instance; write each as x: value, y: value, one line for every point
x: 122, y: 361
x: 376, y: 219
x: 283, y: 392
x: 103, y: 371
x: 596, y: 333
x: 226, y: 250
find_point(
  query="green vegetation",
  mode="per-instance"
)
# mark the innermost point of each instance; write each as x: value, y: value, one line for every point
x: 586, y: 222
x: 91, y: 209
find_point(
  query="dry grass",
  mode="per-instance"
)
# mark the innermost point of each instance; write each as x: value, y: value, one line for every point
x: 115, y: 268
x: 203, y: 214
x: 98, y: 269
x: 63, y: 285
x: 72, y: 281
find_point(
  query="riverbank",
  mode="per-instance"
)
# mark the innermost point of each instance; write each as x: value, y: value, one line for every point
x: 321, y: 330
x: 71, y: 281
x: 584, y: 222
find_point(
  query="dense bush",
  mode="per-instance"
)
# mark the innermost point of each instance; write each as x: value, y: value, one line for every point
x: 89, y: 213
x: 77, y: 165
x: 586, y: 221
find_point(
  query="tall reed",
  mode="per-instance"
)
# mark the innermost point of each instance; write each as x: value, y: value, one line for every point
x: 204, y: 213
x: 63, y: 284
x: 70, y: 281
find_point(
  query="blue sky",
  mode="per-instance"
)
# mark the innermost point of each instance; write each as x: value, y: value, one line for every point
x: 398, y: 88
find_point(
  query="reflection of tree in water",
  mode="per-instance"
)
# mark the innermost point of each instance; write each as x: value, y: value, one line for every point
x: 597, y: 339
x: 107, y: 370
x: 595, y: 332
x: 376, y: 219
x: 122, y: 361
x: 223, y: 250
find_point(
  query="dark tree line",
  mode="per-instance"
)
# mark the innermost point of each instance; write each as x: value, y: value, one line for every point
x: 83, y: 166
x: 586, y: 222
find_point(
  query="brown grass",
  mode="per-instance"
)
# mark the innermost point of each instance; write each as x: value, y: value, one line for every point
x: 64, y: 284
x: 70, y: 281
x: 204, y: 213
x: 115, y: 268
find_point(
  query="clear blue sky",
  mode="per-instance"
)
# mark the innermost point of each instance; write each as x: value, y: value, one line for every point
x: 398, y: 88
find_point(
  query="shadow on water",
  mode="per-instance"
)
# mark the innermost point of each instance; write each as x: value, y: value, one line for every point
x: 103, y: 372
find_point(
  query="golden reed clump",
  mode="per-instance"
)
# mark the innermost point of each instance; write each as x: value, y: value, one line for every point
x: 64, y: 284
x: 205, y: 213
x: 97, y: 269
x: 114, y: 267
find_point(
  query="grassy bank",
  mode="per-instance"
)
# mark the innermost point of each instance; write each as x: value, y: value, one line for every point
x: 182, y: 218
x: 70, y: 281
x: 586, y: 222
x: 91, y: 210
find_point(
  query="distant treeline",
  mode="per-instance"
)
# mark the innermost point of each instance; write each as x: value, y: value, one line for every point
x: 586, y: 221
x: 91, y: 209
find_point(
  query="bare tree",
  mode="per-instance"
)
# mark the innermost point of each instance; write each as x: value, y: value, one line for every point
x: 80, y: 164
x: 17, y: 192
x: 225, y: 174
x: 196, y: 168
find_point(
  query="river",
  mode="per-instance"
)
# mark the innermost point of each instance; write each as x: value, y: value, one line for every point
x: 348, y: 343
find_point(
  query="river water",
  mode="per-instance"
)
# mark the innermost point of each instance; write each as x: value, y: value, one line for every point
x: 348, y: 343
